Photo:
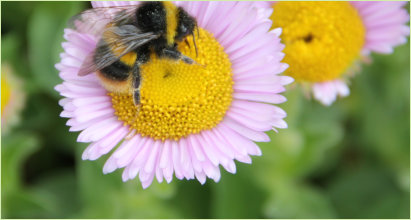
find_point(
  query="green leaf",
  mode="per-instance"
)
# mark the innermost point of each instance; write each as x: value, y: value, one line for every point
x: 304, y: 147
x: 54, y: 196
x: 193, y: 200
x: 381, y: 111
x: 15, y: 150
x: 237, y: 196
x: 107, y: 196
x: 365, y: 191
x: 58, y: 191
x: 45, y: 35
x: 292, y: 200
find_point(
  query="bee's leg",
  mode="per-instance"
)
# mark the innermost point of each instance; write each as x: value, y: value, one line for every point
x: 136, y: 96
x: 136, y: 91
x: 142, y: 57
x: 176, y: 55
x: 136, y: 84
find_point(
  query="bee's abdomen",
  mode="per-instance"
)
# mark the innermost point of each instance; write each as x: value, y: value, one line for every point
x: 118, y: 71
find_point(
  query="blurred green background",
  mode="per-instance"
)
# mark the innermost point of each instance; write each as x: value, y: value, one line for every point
x: 350, y: 160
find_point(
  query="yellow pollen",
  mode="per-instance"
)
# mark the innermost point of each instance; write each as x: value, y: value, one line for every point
x: 179, y: 99
x: 5, y: 91
x: 322, y: 39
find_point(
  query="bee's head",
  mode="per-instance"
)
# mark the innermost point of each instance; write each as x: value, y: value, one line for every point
x: 185, y: 26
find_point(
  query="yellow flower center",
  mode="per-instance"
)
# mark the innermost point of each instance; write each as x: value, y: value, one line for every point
x: 178, y: 99
x: 322, y: 39
x: 5, y: 91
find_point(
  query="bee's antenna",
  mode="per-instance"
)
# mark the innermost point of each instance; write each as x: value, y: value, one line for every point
x: 195, y: 46
x: 188, y: 44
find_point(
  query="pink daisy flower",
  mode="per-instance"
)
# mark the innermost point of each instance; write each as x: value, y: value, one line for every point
x: 325, y: 41
x: 208, y: 116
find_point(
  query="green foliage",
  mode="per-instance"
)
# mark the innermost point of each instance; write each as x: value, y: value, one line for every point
x: 45, y: 35
x: 350, y: 160
x: 106, y: 196
x: 359, y: 185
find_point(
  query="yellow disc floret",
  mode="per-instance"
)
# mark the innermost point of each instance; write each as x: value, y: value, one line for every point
x: 178, y: 99
x: 322, y: 39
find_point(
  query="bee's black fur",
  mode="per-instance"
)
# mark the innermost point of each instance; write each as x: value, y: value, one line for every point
x: 117, y: 71
x: 150, y: 17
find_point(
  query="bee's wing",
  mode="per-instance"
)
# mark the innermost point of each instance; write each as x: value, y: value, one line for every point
x: 94, y: 21
x: 125, y: 37
x: 129, y: 37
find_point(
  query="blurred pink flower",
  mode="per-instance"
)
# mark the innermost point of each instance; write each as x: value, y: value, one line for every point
x: 12, y: 98
x: 385, y: 26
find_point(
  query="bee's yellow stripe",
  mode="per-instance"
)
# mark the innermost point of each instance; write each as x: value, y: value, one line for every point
x: 171, y: 19
x: 129, y: 59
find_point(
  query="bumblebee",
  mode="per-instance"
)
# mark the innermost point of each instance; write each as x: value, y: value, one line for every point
x: 127, y: 35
